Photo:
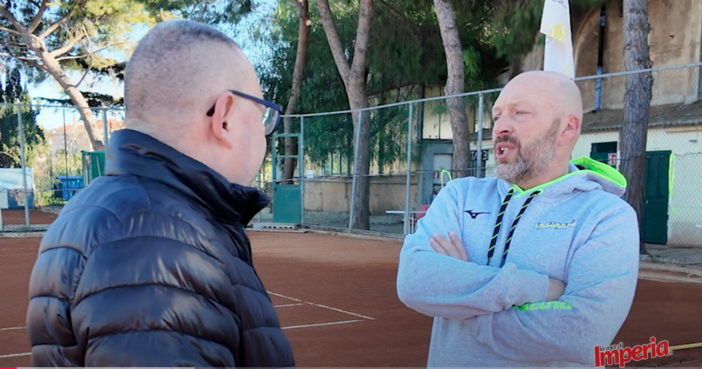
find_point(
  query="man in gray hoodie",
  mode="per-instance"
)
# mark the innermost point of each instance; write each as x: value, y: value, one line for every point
x: 534, y: 267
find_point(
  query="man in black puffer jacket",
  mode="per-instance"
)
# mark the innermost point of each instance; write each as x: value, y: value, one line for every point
x: 150, y: 265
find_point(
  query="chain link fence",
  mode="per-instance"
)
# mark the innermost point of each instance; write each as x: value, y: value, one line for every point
x: 406, y: 159
x: 41, y: 160
x: 410, y: 159
x: 671, y: 217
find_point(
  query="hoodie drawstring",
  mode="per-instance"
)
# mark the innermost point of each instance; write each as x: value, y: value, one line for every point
x: 498, y: 224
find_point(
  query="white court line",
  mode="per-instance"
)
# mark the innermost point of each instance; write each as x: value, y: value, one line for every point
x: 287, y: 305
x: 322, y: 306
x: 15, y: 355
x: 11, y: 328
x: 321, y: 324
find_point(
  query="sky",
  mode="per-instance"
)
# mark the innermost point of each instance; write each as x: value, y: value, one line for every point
x: 53, y: 117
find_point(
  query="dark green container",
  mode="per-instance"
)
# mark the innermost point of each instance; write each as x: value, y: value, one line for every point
x: 93, y: 165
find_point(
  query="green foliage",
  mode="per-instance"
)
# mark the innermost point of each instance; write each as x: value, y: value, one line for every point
x: 91, y: 28
x: 33, y: 135
x: 322, y: 89
x: 214, y: 12
x: 65, y: 163
x: 37, y: 156
x: 102, y: 23
x: 405, y: 50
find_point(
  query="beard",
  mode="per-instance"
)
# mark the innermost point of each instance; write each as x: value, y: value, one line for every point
x: 531, y: 160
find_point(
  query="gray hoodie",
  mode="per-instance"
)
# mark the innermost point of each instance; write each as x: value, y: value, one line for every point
x: 491, y: 311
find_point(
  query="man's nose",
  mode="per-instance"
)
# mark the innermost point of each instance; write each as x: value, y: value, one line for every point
x: 502, y: 127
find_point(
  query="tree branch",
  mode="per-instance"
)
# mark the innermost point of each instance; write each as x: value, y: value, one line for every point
x: 365, y: 18
x: 299, y: 5
x: 16, y: 45
x: 89, y: 54
x: 10, y: 31
x: 90, y: 63
x: 37, y: 18
x: 23, y: 58
x: 72, y: 57
x: 30, y: 61
x: 337, y: 49
x: 11, y: 18
x: 55, y: 25
x: 61, y: 21
x: 58, y: 52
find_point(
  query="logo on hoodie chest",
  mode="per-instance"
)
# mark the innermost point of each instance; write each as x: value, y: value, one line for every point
x: 555, y: 225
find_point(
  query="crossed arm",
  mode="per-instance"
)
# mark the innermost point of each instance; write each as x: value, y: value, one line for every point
x: 453, y: 247
x: 437, y: 285
x: 436, y: 278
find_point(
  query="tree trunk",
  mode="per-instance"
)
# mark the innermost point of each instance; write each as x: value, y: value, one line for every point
x: 421, y: 92
x: 298, y: 76
x: 361, y: 211
x: 637, y: 100
x: 355, y: 83
x: 52, y: 66
x: 455, y: 107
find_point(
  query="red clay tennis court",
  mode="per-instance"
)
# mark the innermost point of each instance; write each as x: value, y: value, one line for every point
x: 16, y: 217
x: 335, y: 296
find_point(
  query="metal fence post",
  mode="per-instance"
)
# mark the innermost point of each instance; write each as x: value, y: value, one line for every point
x: 409, y: 171
x: 301, y: 159
x: 260, y: 187
x: 355, y: 168
x: 20, y: 131
x: 104, y: 128
x: 65, y: 144
x: 479, y: 156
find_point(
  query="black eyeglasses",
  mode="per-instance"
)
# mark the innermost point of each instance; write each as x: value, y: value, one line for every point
x: 270, y: 116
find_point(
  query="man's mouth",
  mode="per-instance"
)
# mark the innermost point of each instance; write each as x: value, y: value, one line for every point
x: 503, y: 150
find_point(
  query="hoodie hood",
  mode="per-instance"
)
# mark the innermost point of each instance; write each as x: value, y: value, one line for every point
x: 585, y: 174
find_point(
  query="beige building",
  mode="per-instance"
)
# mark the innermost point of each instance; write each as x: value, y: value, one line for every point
x: 74, y: 136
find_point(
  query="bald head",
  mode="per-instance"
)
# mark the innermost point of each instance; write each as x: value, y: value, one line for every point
x: 177, y: 70
x: 562, y: 92
x: 537, y: 120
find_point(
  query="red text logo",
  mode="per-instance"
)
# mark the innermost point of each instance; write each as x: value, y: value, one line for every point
x: 620, y: 355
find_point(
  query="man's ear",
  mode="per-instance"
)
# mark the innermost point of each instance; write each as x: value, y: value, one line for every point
x: 218, y: 122
x: 570, y: 131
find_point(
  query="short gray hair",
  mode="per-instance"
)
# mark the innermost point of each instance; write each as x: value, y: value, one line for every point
x: 149, y: 62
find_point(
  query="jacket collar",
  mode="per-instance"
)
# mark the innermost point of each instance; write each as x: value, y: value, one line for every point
x: 134, y: 153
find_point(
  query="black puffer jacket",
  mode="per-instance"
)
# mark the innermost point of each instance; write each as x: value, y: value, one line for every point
x: 150, y: 266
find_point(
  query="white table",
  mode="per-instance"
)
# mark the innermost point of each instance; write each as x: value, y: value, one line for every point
x: 411, y: 219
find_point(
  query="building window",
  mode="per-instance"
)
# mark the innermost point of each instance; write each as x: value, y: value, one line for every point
x: 604, y: 147
x: 605, y: 152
